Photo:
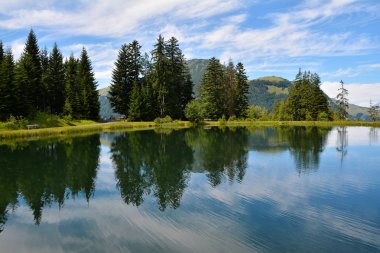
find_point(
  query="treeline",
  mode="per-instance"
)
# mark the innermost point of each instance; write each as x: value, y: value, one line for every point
x: 43, y: 82
x: 144, y: 88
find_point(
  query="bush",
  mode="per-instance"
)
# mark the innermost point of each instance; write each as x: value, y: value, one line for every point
x: 166, y: 119
x: 322, y: 116
x: 14, y: 123
x: 195, y: 111
x: 257, y: 113
x: 222, y: 120
x: 232, y: 118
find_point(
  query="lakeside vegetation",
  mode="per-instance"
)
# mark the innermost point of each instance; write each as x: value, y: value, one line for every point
x: 80, y: 129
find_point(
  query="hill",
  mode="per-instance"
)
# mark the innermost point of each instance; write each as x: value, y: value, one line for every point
x: 197, y: 68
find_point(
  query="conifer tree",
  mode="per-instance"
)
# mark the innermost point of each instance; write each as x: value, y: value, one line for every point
x: 161, y: 84
x: 28, y: 76
x: 7, y: 89
x: 56, y: 81
x: 229, y: 90
x: 135, y: 107
x: 212, y: 89
x: 127, y: 69
x: 306, y: 100
x: 73, y: 100
x: 1, y: 51
x: 241, y: 92
x: 44, y: 96
x: 342, y: 102
x: 86, y: 80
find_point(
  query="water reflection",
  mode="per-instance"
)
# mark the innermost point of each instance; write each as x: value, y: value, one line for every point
x: 46, y: 172
x: 342, y: 142
x: 147, y: 163
x: 306, y: 144
x: 373, y: 135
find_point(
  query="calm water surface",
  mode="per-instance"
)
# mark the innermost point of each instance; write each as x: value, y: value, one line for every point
x: 197, y: 190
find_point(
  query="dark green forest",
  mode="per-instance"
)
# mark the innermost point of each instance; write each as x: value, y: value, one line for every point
x: 43, y: 82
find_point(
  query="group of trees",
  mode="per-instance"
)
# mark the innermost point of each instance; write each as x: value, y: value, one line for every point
x: 143, y: 88
x: 42, y: 82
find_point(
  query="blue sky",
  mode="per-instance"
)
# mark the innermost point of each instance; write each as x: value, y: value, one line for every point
x: 338, y: 39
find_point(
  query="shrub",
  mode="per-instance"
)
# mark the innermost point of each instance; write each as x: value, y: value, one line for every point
x: 166, y: 119
x: 232, y: 118
x: 322, y: 116
x: 14, y: 123
x: 195, y: 111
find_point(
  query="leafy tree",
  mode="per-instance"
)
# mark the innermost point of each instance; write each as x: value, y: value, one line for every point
x: 86, y: 79
x: 195, y: 111
x: 256, y: 112
x: 373, y: 111
x: 56, y: 81
x: 342, y: 102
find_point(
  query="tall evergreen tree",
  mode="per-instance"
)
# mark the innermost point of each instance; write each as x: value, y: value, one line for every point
x: 56, y: 81
x: 161, y: 84
x: 127, y: 70
x: 7, y: 89
x: 306, y: 100
x: 342, y: 102
x: 135, y: 107
x: 73, y: 101
x: 86, y: 80
x: 242, y: 91
x: 28, y: 76
x: 230, y: 91
x: 212, y: 89
x: 44, y: 96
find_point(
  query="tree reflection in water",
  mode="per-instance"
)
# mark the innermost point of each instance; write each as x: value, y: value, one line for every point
x: 47, y: 172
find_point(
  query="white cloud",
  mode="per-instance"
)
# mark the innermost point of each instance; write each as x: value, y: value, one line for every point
x: 359, y: 94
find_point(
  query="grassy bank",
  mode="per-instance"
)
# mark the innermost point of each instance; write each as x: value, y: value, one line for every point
x: 87, y: 128
x: 293, y: 123
x: 132, y: 126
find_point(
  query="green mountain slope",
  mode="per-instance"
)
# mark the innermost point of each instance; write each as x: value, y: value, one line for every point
x: 197, y: 68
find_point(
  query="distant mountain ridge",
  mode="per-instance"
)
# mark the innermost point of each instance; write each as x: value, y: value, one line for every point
x: 263, y: 91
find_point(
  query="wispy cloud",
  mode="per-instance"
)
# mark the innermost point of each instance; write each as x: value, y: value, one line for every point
x: 359, y: 94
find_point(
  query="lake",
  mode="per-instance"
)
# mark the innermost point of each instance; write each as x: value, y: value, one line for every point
x: 284, y: 189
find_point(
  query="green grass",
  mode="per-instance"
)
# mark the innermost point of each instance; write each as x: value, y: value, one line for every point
x: 87, y: 127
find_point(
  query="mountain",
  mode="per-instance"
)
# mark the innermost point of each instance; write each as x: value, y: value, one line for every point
x: 197, y: 68
x: 263, y: 91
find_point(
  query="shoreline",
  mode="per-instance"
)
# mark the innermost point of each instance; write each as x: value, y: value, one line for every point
x: 33, y: 134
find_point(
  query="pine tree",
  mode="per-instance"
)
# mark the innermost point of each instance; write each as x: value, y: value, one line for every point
x: 212, y: 89
x: 241, y: 92
x: 306, y: 100
x: 342, y: 102
x: 86, y: 80
x: 44, y: 96
x: 135, y: 107
x: 56, y: 81
x: 28, y: 76
x: 127, y: 69
x: 373, y: 111
x: 73, y: 101
x: 7, y: 89
x: 161, y: 84
x: 229, y: 90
